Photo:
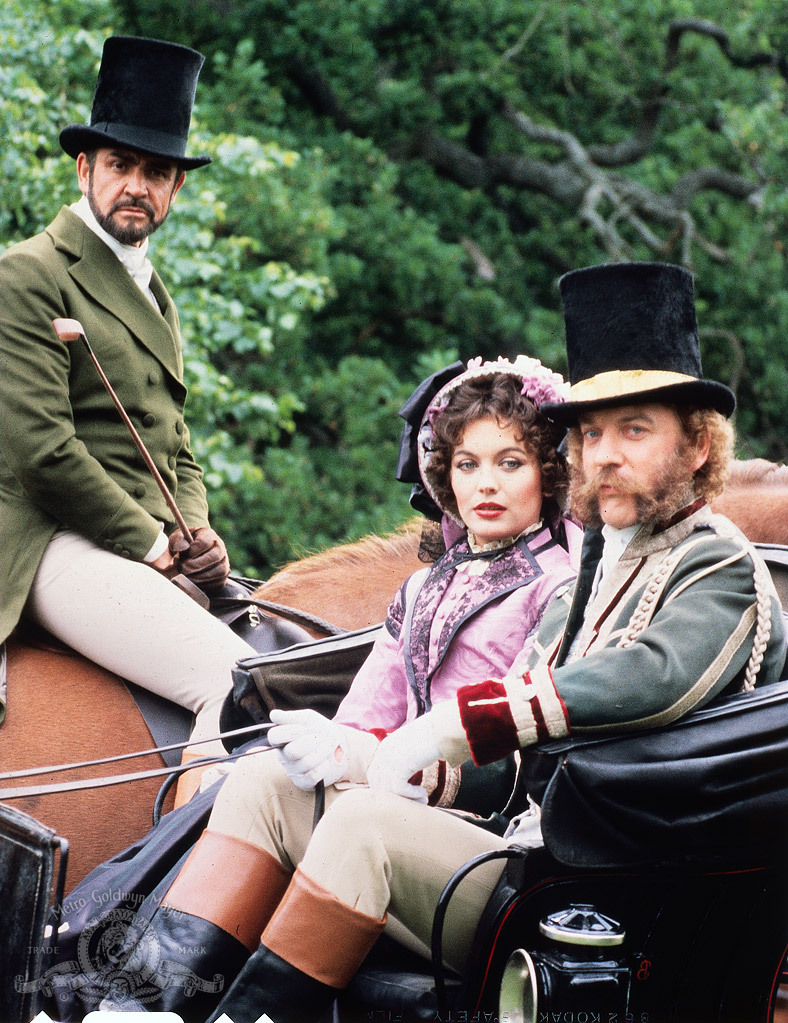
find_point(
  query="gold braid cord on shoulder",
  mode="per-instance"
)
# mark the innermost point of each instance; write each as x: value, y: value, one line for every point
x: 655, y: 586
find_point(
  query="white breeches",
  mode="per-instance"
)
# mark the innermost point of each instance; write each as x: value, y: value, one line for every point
x: 377, y: 852
x: 131, y: 620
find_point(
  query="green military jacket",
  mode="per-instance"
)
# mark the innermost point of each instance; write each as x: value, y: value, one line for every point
x: 66, y: 457
x: 673, y: 625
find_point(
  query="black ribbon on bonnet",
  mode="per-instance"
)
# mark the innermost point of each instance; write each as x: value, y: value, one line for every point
x: 413, y: 413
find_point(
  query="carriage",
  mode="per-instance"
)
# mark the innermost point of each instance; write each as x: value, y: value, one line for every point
x: 672, y: 909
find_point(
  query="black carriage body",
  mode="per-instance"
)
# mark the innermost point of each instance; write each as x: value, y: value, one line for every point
x: 699, y: 946
x: 29, y: 854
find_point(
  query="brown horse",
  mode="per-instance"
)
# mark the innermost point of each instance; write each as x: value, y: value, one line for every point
x: 62, y: 708
x: 756, y: 499
x: 352, y: 585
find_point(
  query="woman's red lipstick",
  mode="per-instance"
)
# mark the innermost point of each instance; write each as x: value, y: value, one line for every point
x: 488, y: 510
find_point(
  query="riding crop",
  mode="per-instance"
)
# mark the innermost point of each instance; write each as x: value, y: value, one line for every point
x: 72, y: 330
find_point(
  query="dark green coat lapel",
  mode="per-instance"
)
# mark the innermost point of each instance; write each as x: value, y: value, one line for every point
x: 98, y: 271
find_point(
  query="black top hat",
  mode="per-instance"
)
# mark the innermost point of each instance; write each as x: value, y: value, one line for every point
x: 143, y: 100
x: 632, y: 335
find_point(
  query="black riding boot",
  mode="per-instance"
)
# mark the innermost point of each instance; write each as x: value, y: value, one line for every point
x: 268, y: 984
x: 311, y: 925
x: 179, y: 962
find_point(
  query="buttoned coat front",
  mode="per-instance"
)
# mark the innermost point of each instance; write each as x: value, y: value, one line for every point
x: 66, y: 458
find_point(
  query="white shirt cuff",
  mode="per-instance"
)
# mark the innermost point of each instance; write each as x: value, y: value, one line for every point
x: 158, y: 548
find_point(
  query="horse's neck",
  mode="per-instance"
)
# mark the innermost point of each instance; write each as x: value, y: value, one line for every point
x: 350, y: 587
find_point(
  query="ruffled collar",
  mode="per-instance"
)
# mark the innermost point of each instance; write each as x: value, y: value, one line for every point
x: 499, y: 545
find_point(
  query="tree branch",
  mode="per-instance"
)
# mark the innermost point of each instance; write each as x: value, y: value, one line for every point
x: 616, y: 208
x: 705, y: 178
x: 708, y: 28
x: 317, y: 91
x: 642, y: 139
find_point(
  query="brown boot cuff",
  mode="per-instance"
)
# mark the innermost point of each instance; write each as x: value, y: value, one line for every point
x: 189, y: 782
x: 320, y: 935
x: 231, y: 883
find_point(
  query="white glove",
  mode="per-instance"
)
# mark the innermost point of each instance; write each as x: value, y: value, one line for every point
x: 400, y: 755
x: 311, y: 748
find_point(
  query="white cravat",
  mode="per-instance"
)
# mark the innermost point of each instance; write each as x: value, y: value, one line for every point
x: 133, y: 257
x: 616, y: 542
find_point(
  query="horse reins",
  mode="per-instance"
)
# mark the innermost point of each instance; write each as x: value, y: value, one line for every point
x: 171, y: 773
x: 22, y: 791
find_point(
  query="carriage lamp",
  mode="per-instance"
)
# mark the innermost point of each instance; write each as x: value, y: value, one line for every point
x: 576, y: 974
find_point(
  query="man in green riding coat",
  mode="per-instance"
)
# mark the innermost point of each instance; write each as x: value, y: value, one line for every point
x: 87, y: 542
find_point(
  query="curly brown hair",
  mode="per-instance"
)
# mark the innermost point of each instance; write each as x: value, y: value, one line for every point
x: 697, y: 424
x: 495, y: 397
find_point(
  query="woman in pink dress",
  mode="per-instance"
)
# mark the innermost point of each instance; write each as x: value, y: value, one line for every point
x: 489, y: 461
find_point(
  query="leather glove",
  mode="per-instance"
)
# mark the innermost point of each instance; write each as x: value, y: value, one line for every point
x: 205, y: 560
x: 313, y: 748
x: 400, y: 755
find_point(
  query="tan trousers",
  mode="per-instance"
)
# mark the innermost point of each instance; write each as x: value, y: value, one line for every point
x: 126, y: 617
x: 375, y: 851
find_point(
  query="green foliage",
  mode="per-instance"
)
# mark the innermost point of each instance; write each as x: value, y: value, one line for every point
x: 364, y: 79
x: 322, y: 265
x: 47, y: 75
x: 328, y: 487
x: 245, y: 253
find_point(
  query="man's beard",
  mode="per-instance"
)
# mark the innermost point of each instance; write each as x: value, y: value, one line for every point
x: 133, y: 234
x: 658, y: 501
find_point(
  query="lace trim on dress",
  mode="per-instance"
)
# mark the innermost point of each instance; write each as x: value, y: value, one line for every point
x: 499, y: 545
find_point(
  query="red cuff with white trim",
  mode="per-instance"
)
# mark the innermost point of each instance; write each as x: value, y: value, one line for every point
x: 487, y: 719
x: 500, y: 716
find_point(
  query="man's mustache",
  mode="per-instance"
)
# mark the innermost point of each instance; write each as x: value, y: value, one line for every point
x: 668, y: 489
x: 135, y: 204
x: 608, y: 477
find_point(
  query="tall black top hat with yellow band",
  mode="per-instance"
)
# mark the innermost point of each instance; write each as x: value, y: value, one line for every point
x: 632, y: 336
x: 143, y: 101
